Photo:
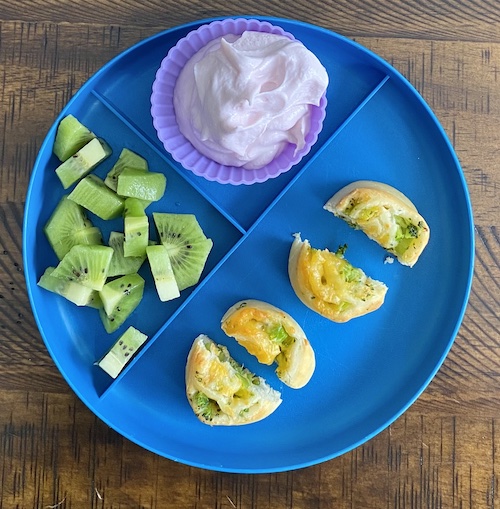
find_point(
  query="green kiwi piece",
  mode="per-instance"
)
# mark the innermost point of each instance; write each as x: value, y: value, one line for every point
x: 88, y: 236
x: 95, y: 301
x: 163, y: 274
x: 74, y: 292
x: 122, y: 351
x: 133, y: 207
x: 71, y: 136
x: 92, y: 194
x: 86, y: 265
x: 121, y: 265
x: 145, y: 185
x: 126, y: 159
x: 68, y: 226
x: 119, y: 298
x: 117, y: 289
x: 188, y: 247
x: 82, y: 162
x: 136, y: 228
x: 136, y: 235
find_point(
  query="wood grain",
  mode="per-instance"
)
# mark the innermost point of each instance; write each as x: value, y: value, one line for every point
x: 54, y: 451
x: 442, y: 453
x: 429, y: 19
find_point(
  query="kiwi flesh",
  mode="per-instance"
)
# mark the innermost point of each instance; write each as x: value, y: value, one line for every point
x: 94, y: 301
x: 119, y: 299
x: 71, y: 136
x: 82, y: 162
x: 126, y: 159
x: 68, y: 226
x: 136, y: 228
x: 121, y: 265
x: 163, y: 274
x: 187, y: 246
x: 122, y: 351
x: 133, y: 207
x: 88, y: 236
x: 92, y: 194
x: 74, y: 292
x: 86, y: 265
x: 145, y: 185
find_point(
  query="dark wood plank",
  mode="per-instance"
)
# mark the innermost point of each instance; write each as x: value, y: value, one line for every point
x: 460, y: 20
x: 54, y: 451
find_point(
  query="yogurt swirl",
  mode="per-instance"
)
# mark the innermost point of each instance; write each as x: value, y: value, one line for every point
x: 241, y: 99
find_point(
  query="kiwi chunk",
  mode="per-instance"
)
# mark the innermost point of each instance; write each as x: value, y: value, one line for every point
x: 121, y: 265
x: 136, y: 235
x: 71, y: 136
x: 95, y: 301
x: 126, y: 159
x: 122, y: 351
x: 86, y: 265
x: 119, y: 299
x: 82, y: 162
x: 136, y: 228
x: 187, y: 246
x: 145, y: 185
x: 68, y: 226
x: 133, y: 207
x: 74, y: 292
x: 92, y: 194
x: 89, y: 236
x: 163, y: 274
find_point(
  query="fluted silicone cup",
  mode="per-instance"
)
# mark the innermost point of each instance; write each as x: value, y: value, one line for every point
x: 164, y: 118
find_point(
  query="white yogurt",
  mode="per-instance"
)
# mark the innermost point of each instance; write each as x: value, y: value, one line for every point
x: 241, y: 99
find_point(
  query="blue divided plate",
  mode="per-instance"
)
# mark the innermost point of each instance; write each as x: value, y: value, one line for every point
x: 369, y: 370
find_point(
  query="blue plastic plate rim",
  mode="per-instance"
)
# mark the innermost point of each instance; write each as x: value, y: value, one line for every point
x: 458, y: 319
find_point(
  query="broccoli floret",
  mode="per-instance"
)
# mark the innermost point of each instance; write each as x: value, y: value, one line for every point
x: 206, y: 407
x: 350, y: 273
x: 406, y: 232
x: 406, y: 229
x: 412, y: 230
x: 277, y: 333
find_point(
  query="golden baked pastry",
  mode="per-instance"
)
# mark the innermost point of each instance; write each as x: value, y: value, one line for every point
x: 385, y: 215
x: 328, y: 284
x: 221, y: 391
x: 272, y: 336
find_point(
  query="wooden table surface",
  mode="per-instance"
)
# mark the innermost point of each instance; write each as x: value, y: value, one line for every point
x: 444, y: 452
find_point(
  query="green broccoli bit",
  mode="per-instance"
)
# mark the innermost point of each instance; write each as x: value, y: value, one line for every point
x: 343, y: 306
x: 206, y: 407
x: 352, y: 205
x: 406, y: 232
x: 341, y: 251
x: 277, y: 333
x: 406, y: 229
x: 368, y: 213
x: 351, y: 274
x: 245, y: 376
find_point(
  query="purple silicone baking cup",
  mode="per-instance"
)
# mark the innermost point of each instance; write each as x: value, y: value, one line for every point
x: 165, y: 123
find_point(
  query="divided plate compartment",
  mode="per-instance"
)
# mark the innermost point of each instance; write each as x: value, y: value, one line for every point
x: 368, y: 370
